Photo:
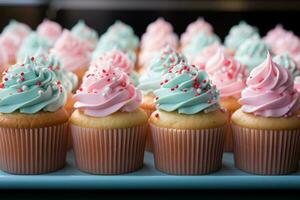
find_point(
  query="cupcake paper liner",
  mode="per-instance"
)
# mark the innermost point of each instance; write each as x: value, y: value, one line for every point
x: 228, y: 146
x: 188, y: 152
x: 109, y: 151
x: 266, y: 152
x: 149, y: 145
x: 33, y: 150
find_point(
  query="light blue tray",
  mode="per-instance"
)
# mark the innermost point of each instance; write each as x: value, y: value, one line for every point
x: 149, y: 178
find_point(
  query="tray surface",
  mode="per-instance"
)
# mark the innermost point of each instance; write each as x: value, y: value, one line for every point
x: 148, y: 178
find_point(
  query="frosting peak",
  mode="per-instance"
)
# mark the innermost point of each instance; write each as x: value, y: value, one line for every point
x: 85, y: 33
x: 49, y: 29
x: 286, y: 61
x: 270, y: 91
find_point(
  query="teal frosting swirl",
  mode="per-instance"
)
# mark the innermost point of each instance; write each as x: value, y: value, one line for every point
x: 134, y: 77
x: 187, y: 90
x: 85, y: 33
x: 238, y: 34
x: 151, y: 80
x: 200, y: 42
x: 31, y: 44
x: 68, y: 79
x: 286, y: 61
x: 29, y: 89
x: 252, y: 52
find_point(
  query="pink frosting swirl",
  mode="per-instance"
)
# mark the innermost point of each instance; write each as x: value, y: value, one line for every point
x: 158, y: 35
x: 11, y: 43
x: 227, y: 74
x: 297, y: 83
x: 73, y: 53
x: 107, y: 91
x: 274, y: 35
x: 50, y: 30
x: 117, y: 58
x: 270, y: 91
x: 193, y: 28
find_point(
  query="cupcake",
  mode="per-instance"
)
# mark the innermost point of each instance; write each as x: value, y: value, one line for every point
x: 152, y: 79
x: 32, y: 118
x: 193, y: 29
x: 50, y: 30
x: 286, y: 61
x: 119, y: 60
x: 252, y: 52
x: 297, y: 83
x: 108, y: 128
x: 19, y: 29
x: 85, y: 33
x: 238, y: 34
x: 10, y: 43
x: 31, y: 44
x: 74, y: 54
x: 266, y: 129
x: 188, y: 129
x: 273, y: 35
x: 229, y: 76
x: 201, y: 41
x: 159, y: 34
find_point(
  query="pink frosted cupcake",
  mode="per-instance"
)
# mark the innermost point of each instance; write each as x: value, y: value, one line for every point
x: 108, y: 127
x: 266, y: 129
x: 274, y: 35
x: 193, y: 29
x: 229, y: 76
x: 74, y: 54
x: 159, y: 34
x: 50, y: 30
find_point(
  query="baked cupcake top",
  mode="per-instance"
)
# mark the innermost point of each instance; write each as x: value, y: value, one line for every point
x: 68, y: 79
x: 158, y: 35
x: 186, y: 90
x: 252, y: 52
x: 193, y: 29
x: 11, y: 44
x: 107, y: 91
x: 203, y: 57
x: 297, y: 83
x: 117, y: 59
x: 85, y: 33
x: 160, y: 65
x: 238, y: 34
x: 274, y: 34
x: 199, y: 43
x: 286, y: 61
x: 270, y: 91
x: 227, y: 74
x: 31, y: 44
x: 28, y: 88
x: 21, y: 30
x: 73, y: 53
x: 50, y: 30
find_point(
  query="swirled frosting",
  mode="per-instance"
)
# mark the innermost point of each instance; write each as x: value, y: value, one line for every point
x: 73, y: 53
x: 50, y: 30
x: 158, y: 35
x: 85, y: 33
x: 199, y: 43
x: 286, y: 61
x: 29, y: 89
x: 11, y: 44
x: 274, y: 35
x: 297, y: 83
x: 193, y: 29
x: 238, y: 34
x: 107, y: 91
x: 21, y: 30
x: 252, y: 52
x: 227, y: 74
x: 68, y: 79
x: 31, y: 44
x: 186, y: 90
x: 270, y: 91
x: 160, y: 65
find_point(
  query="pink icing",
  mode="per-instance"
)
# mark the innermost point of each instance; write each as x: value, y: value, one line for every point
x: 193, y: 28
x: 11, y: 44
x: 74, y: 53
x: 297, y: 83
x: 158, y: 35
x: 204, y: 56
x: 117, y: 58
x: 50, y: 30
x: 107, y: 91
x: 274, y: 35
x: 227, y: 74
x: 270, y: 91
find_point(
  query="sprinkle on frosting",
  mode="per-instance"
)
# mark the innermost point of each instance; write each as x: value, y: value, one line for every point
x: 270, y: 91
x: 187, y: 90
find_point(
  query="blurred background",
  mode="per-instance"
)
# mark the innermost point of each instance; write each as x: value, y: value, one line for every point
x: 99, y: 14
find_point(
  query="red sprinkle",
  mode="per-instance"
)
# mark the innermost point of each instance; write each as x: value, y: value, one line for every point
x: 22, y: 73
x: 176, y: 86
x: 204, y: 81
x: 20, y: 90
x: 5, y: 79
x: 103, y: 70
x: 2, y: 85
x: 226, y: 62
x: 172, y: 89
x: 32, y: 58
x: 80, y: 89
x: 230, y: 76
x: 196, y: 85
x: 123, y: 84
x: 196, y: 94
x: 166, y: 81
x: 38, y: 83
x: 58, y: 82
x: 156, y: 115
x: 108, y: 79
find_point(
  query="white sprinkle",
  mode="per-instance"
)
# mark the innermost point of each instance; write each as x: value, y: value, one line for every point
x: 24, y: 87
x: 41, y: 92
